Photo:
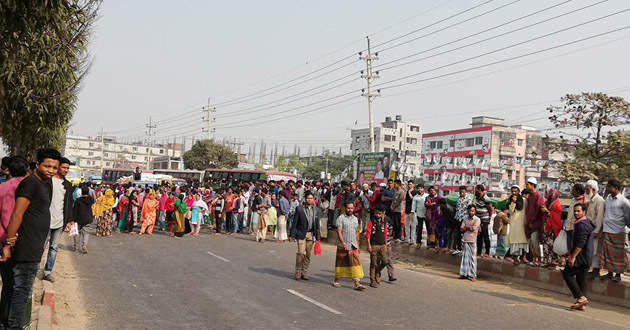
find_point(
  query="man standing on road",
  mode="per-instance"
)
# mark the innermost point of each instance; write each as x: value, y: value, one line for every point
x: 616, y: 218
x: 595, y: 206
x: 534, y: 216
x: 347, y: 262
x: 481, y: 206
x: 31, y: 221
x: 410, y: 221
x: 397, y: 207
x: 376, y: 239
x: 419, y: 211
x: 386, y: 198
x: 581, y: 257
x: 60, y: 213
x: 461, y: 214
x: 305, y: 230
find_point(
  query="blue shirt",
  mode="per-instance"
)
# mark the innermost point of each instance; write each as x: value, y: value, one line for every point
x: 285, y: 207
x: 388, y: 193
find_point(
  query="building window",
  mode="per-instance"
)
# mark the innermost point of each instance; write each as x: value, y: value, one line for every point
x: 91, y: 144
x: 106, y: 145
x: 452, y: 144
x: 519, y: 160
x: 133, y: 156
x: 107, y: 164
x: 435, y: 145
x: 147, y: 149
x: 357, y: 139
x: 390, y: 138
x: 412, y: 140
x: 439, y: 145
x: 105, y: 154
x: 161, y: 151
x: 478, y: 140
x: 519, y: 142
x: 120, y: 147
x: 135, y: 149
x: 411, y: 153
x: 470, y: 142
x: 414, y: 128
x: 387, y: 149
x: 90, y: 153
x: 356, y: 151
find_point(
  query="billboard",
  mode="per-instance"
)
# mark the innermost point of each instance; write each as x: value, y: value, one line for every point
x: 373, y: 167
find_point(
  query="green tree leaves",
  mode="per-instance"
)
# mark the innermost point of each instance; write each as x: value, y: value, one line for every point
x: 207, y: 154
x: 43, y: 59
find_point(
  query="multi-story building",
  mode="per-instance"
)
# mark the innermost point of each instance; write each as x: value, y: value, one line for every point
x: 403, y: 139
x: 92, y: 154
x: 488, y: 153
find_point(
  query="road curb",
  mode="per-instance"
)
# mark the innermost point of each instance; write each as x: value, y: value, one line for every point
x: 45, y: 318
x: 542, y: 278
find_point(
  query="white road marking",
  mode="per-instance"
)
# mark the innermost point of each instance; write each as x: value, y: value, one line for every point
x: 218, y: 257
x: 315, y: 302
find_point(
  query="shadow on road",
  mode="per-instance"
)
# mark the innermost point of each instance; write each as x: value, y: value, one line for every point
x: 521, y: 299
x: 287, y: 275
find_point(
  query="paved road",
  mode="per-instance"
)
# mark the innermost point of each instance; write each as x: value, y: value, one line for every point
x: 206, y: 282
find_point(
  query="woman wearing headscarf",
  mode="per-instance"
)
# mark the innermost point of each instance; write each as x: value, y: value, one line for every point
x: 123, y: 212
x: 133, y: 211
x: 516, y: 237
x: 103, y: 210
x: 190, y: 199
x: 170, y: 212
x: 180, y: 216
x: 199, y: 210
x: 552, y: 209
x: 148, y: 213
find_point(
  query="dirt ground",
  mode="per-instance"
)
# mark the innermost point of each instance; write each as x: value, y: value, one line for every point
x: 69, y: 310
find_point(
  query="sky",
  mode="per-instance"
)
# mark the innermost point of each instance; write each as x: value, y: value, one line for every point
x: 288, y: 72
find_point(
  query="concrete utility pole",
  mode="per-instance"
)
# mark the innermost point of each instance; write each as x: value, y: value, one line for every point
x: 102, y: 149
x: 209, y: 118
x: 150, y: 126
x: 369, y: 95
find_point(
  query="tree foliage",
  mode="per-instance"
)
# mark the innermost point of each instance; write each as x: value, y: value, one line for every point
x: 289, y: 164
x: 336, y: 165
x: 43, y: 59
x: 588, y: 125
x: 207, y: 154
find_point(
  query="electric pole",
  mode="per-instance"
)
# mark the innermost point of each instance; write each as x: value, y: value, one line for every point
x: 369, y: 95
x: 209, y: 118
x: 150, y: 126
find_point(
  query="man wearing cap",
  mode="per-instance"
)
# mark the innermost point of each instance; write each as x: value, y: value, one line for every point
x: 534, y: 223
x: 595, y: 205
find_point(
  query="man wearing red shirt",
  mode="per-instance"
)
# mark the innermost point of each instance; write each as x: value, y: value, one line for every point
x: 229, y: 198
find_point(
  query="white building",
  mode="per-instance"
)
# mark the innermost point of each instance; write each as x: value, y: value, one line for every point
x: 92, y: 155
x: 403, y: 139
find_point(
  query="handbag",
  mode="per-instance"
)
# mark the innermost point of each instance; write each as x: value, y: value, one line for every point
x: 317, y: 249
x: 74, y: 230
x: 188, y: 215
x: 560, y: 245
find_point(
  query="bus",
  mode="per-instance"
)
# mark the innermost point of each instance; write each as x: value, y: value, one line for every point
x: 111, y: 175
x: 230, y: 177
x: 189, y: 176
x: 75, y: 176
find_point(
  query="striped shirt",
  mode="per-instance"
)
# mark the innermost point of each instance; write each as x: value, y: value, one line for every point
x: 349, y: 225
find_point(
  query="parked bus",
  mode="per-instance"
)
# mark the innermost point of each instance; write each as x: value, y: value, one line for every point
x: 111, y: 175
x: 189, y: 176
x: 230, y: 177
x: 75, y: 176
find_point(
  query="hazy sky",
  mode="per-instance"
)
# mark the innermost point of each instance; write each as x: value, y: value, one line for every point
x: 164, y: 59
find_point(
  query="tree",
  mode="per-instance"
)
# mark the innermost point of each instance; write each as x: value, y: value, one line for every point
x: 588, y: 131
x: 336, y: 165
x: 289, y: 164
x: 43, y: 60
x: 207, y: 154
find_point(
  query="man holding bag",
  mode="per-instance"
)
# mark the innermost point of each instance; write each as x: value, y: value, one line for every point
x: 305, y: 230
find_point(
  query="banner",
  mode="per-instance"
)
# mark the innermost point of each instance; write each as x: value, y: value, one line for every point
x: 373, y: 167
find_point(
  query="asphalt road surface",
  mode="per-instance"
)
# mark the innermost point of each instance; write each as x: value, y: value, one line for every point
x: 207, y: 282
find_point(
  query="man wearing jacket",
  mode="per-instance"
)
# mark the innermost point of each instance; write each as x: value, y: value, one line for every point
x: 305, y: 230
x: 60, y: 213
x: 581, y: 257
x: 82, y: 215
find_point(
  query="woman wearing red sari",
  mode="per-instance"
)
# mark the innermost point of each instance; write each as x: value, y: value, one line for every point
x: 148, y: 213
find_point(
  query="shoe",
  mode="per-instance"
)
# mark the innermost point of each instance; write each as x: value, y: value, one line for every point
x: 49, y: 278
x: 616, y: 278
x: 393, y: 279
x: 84, y: 249
x: 304, y: 277
x: 455, y: 253
x: 608, y: 276
x: 297, y: 276
x: 593, y: 274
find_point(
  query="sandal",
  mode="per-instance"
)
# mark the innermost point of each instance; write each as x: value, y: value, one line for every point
x: 336, y: 285
x: 579, y: 304
x: 359, y: 288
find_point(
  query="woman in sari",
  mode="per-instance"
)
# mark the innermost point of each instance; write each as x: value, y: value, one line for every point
x: 180, y: 216
x: 190, y: 199
x: 199, y: 210
x: 170, y: 212
x: 552, y: 209
x: 123, y: 212
x: 148, y: 213
x: 105, y: 213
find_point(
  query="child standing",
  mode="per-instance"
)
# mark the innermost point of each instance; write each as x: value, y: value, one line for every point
x: 500, y: 228
x: 470, y: 229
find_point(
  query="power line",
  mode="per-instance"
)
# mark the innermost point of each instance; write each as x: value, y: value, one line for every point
x: 486, y: 30
x: 492, y: 63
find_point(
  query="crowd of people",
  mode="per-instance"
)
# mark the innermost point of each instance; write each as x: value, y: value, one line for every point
x: 37, y: 204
